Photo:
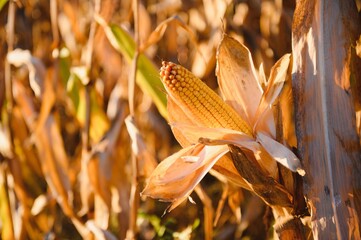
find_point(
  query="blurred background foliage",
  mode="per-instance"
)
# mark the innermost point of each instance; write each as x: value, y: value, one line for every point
x: 67, y: 165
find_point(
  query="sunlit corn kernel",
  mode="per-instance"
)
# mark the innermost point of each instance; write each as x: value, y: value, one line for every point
x: 195, y: 96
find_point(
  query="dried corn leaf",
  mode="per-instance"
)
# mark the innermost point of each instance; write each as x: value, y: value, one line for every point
x: 101, y: 211
x: 146, y: 161
x: 20, y: 57
x: 325, y: 120
x: 204, y: 59
x: 158, y: 33
x: 50, y: 96
x: 208, y: 212
x: 214, y: 11
x: 267, y: 188
x: 265, y: 120
x: 51, y: 154
x: 30, y: 165
x: 5, y: 209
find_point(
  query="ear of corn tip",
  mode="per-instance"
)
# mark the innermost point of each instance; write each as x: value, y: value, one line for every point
x: 204, y: 105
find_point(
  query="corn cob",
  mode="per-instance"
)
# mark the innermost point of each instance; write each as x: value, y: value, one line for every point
x: 196, y: 98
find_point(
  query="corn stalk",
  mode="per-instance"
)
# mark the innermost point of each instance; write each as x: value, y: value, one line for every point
x: 326, y: 77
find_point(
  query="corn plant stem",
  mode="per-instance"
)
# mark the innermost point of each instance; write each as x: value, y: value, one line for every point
x: 56, y: 41
x: 7, y: 224
x: 54, y: 24
x: 9, y: 94
x: 87, y: 59
x: 13, y: 166
x: 134, y: 194
x: 132, y: 77
x: 134, y: 201
x: 10, y: 42
x: 221, y: 203
x: 208, y: 212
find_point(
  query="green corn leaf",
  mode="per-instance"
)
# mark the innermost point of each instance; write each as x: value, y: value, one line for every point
x: 147, y: 73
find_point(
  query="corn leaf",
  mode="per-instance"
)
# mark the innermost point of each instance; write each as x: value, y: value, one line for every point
x: 147, y: 74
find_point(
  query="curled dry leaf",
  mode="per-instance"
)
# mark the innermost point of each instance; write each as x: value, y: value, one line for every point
x: 36, y: 68
x: 52, y: 156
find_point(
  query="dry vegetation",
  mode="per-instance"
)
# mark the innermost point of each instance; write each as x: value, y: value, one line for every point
x: 84, y: 120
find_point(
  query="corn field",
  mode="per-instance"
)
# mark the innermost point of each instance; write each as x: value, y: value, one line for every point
x: 170, y: 119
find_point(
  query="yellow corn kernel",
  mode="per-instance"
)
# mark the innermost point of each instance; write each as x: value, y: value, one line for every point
x: 199, y: 101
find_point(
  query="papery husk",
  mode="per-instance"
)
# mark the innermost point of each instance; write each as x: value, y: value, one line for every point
x: 176, y: 177
x: 237, y: 78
